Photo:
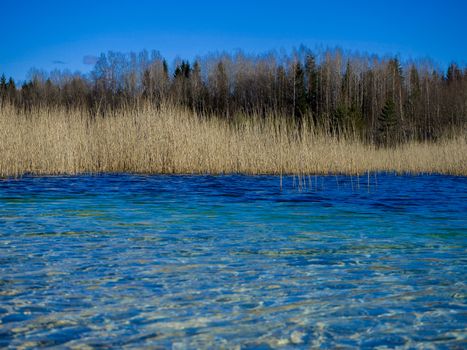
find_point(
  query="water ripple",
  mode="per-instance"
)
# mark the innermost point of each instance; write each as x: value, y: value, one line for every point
x: 233, y: 262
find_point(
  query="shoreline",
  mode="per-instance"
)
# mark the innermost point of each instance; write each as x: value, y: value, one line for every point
x: 277, y: 175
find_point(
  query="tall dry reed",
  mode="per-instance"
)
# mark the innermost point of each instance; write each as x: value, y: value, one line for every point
x: 171, y: 140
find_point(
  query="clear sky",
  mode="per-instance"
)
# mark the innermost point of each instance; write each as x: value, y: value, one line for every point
x: 50, y: 34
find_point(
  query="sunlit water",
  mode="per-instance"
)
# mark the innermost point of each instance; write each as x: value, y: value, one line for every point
x: 233, y: 262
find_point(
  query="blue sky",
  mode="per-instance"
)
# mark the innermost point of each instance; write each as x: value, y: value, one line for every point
x: 52, y: 34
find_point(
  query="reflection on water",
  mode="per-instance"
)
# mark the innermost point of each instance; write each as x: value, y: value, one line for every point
x: 233, y: 262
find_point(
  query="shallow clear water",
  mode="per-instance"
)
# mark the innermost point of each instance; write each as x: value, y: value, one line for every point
x: 233, y: 262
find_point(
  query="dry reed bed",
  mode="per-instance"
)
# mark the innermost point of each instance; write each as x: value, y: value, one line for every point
x: 169, y: 140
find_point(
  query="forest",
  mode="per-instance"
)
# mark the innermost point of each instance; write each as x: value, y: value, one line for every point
x: 381, y: 100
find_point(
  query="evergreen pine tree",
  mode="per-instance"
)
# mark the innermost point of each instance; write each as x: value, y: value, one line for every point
x: 281, y: 89
x: 197, y: 87
x: 165, y: 68
x: 346, y: 82
x: 387, y: 124
x: 148, y: 89
x: 3, y: 82
x: 299, y: 93
x: 221, y: 90
x: 11, y: 89
x: 339, y: 119
x: 3, y: 88
x: 311, y: 75
x: 412, y: 103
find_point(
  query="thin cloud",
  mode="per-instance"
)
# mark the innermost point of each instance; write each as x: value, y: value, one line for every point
x: 90, y: 59
x: 58, y: 62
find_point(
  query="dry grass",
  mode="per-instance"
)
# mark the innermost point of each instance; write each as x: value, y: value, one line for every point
x: 170, y: 140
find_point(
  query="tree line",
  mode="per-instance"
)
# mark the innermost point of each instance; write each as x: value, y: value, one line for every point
x: 380, y: 99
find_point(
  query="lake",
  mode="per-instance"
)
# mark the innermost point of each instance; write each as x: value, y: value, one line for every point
x: 233, y: 261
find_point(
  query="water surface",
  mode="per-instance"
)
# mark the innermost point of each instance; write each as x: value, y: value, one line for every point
x: 233, y: 262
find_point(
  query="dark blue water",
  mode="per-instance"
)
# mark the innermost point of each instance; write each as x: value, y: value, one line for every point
x: 233, y: 262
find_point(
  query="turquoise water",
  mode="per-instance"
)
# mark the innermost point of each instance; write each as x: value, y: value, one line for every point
x: 233, y: 262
